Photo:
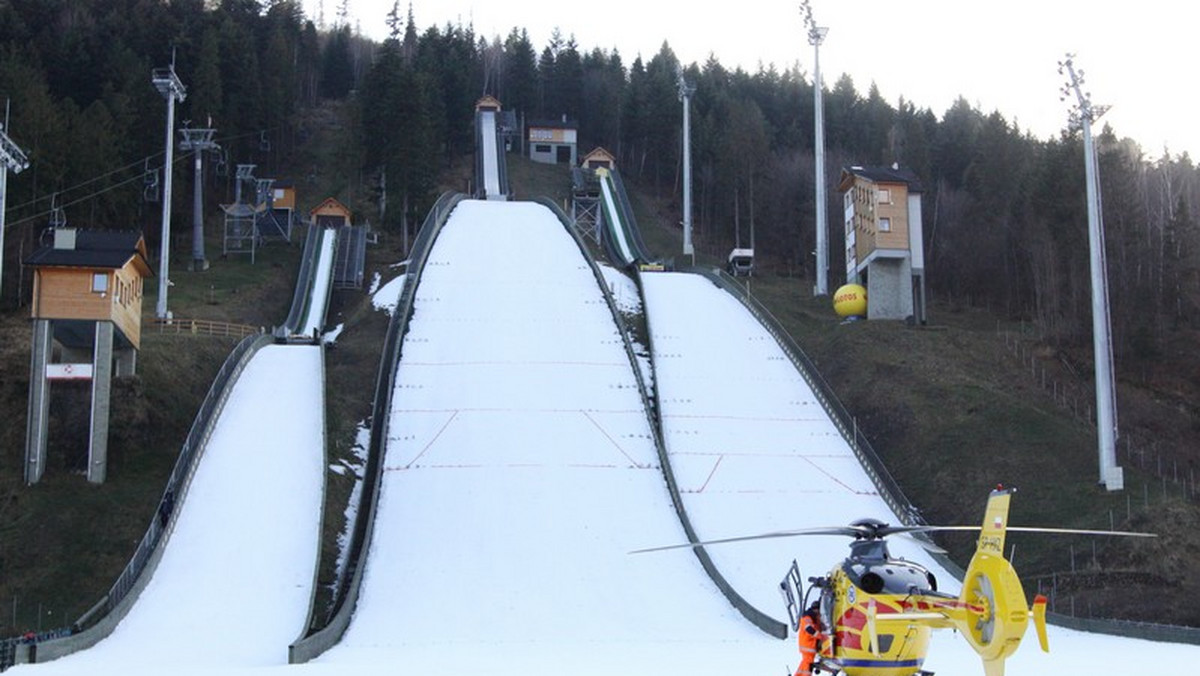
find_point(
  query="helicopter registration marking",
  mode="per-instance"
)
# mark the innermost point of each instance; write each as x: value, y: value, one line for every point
x: 989, y: 543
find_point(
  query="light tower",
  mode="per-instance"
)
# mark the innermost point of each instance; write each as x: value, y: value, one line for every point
x: 816, y: 35
x: 198, y: 141
x: 685, y: 95
x: 13, y: 159
x: 167, y: 84
x: 1111, y: 475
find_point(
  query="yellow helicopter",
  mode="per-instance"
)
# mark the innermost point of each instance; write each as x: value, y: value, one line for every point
x: 878, y: 612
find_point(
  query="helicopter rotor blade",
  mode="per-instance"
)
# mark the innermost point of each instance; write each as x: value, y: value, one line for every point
x: 1074, y: 531
x: 892, y: 530
x: 925, y: 544
x: 883, y: 531
x: 825, y: 530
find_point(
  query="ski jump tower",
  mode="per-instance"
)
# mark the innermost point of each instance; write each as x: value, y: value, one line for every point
x: 87, y: 312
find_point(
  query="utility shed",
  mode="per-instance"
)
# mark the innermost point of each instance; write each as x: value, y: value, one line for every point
x: 487, y: 103
x: 598, y: 158
x: 330, y: 214
x: 87, y: 301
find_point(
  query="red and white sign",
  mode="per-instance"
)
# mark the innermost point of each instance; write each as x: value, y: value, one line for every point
x: 68, y: 371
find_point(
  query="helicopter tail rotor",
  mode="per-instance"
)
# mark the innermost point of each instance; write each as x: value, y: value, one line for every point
x: 992, y: 613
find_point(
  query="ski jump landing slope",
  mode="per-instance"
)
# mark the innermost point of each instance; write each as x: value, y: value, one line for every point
x: 233, y: 586
x: 754, y: 452
x: 519, y: 473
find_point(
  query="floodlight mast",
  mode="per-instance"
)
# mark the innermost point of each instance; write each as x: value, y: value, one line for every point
x: 816, y: 35
x: 167, y: 83
x: 13, y: 159
x: 685, y: 95
x: 1111, y: 475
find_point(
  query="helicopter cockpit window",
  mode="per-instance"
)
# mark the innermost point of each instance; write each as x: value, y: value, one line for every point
x: 891, y: 577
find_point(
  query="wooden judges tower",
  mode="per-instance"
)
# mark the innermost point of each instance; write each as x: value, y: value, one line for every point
x: 87, y: 313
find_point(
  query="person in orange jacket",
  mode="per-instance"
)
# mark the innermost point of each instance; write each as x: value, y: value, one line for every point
x: 809, y: 637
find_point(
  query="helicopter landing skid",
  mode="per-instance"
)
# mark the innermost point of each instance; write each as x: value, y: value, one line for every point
x: 827, y: 666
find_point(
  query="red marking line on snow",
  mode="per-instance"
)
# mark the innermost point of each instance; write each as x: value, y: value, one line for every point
x: 605, y: 364
x: 515, y: 465
x: 711, y: 473
x: 433, y: 440
x: 610, y: 439
x: 513, y: 410
x: 759, y: 454
x: 837, y: 480
x: 738, y: 417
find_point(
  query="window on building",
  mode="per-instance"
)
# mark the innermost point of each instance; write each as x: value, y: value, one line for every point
x: 542, y: 148
x: 885, y: 225
x: 99, y: 282
x: 884, y: 196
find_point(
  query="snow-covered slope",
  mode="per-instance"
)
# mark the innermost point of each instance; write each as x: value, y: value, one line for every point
x: 233, y: 586
x: 519, y: 474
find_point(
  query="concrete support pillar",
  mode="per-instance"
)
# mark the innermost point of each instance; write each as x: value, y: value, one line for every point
x: 39, y: 403
x: 102, y: 368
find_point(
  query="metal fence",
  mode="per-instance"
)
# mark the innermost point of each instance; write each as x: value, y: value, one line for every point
x: 202, y: 327
x: 1169, y: 463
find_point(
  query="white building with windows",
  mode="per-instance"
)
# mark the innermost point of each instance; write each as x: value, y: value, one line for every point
x: 554, y: 142
x: 884, y: 252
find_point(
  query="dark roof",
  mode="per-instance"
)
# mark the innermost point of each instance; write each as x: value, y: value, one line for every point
x: 888, y: 175
x: 93, y: 248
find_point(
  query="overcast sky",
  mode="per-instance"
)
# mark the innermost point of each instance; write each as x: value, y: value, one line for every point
x: 999, y: 56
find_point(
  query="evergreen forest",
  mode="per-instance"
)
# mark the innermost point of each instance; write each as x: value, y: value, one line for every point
x: 1005, y: 215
